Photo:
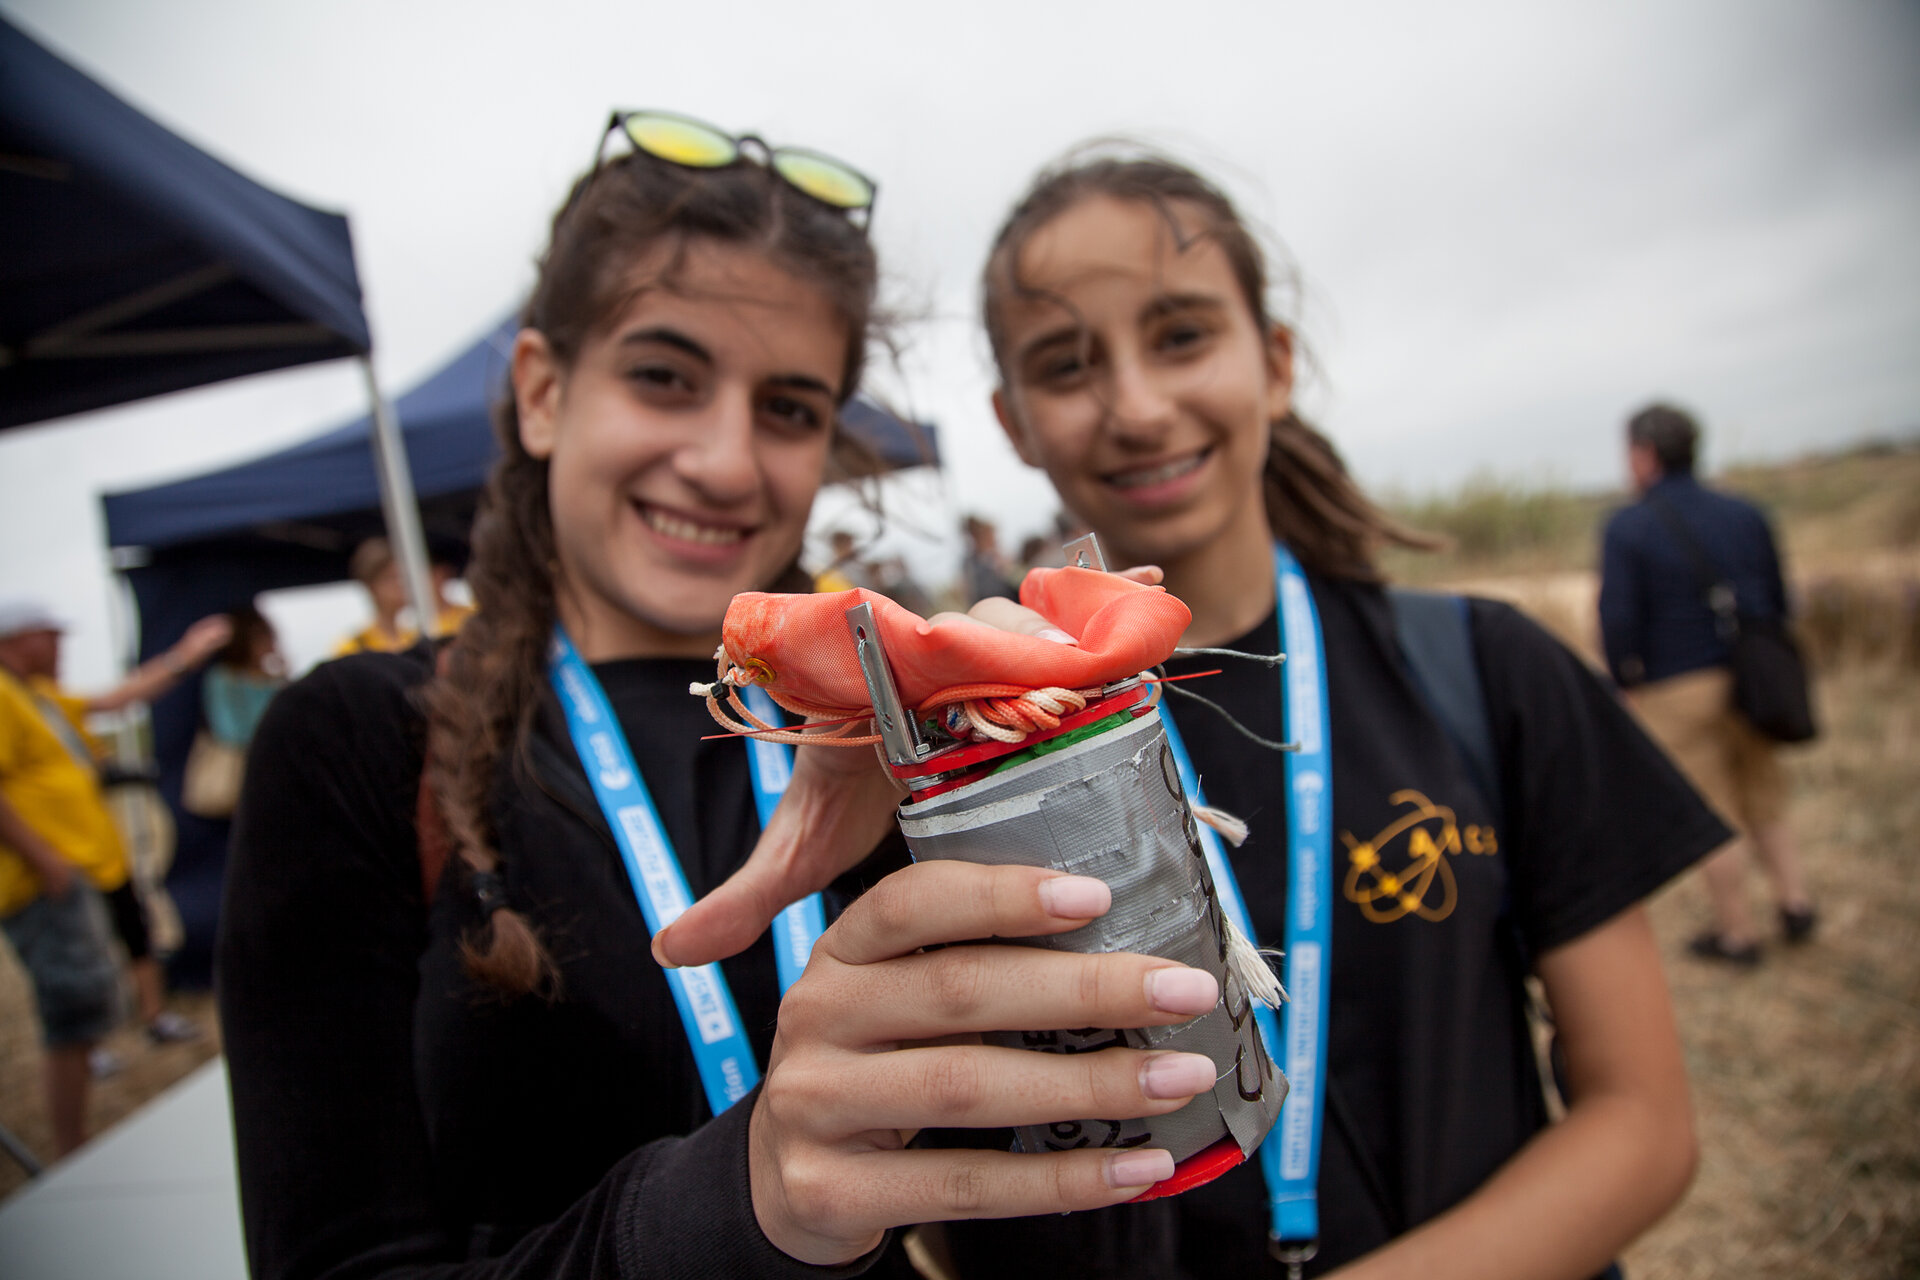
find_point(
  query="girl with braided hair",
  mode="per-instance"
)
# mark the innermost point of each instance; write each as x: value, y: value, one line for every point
x: 475, y: 1067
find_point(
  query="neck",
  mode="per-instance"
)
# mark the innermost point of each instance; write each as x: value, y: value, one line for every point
x: 1227, y: 583
x: 598, y: 637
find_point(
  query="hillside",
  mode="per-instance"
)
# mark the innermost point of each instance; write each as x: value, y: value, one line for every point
x: 1806, y: 1072
x: 1848, y: 523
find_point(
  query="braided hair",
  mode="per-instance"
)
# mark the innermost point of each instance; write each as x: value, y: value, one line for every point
x: 482, y: 704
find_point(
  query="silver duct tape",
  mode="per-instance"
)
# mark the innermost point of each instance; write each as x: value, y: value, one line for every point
x: 1112, y: 807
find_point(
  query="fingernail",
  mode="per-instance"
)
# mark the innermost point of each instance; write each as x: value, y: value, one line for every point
x: 1176, y: 1075
x: 1188, y: 991
x: 1075, y: 897
x: 660, y: 950
x: 1058, y: 636
x: 1139, y: 1168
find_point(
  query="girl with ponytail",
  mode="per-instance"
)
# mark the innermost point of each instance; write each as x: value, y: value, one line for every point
x: 1139, y: 367
x: 478, y: 1066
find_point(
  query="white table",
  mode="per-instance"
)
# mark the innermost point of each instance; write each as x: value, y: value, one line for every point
x: 152, y: 1199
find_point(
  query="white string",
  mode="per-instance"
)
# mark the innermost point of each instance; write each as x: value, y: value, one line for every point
x: 1231, y: 829
x: 1246, y: 962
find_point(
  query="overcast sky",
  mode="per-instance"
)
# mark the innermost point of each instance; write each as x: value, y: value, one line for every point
x: 1513, y: 222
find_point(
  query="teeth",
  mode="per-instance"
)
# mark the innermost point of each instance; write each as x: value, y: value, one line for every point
x: 687, y: 531
x: 1159, y: 475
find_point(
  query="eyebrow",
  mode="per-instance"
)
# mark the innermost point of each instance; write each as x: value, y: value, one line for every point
x: 670, y: 337
x: 1160, y: 305
x: 804, y: 382
x: 1066, y: 333
x: 1167, y: 303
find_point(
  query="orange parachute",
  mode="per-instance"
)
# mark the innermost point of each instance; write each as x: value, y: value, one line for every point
x: 798, y: 649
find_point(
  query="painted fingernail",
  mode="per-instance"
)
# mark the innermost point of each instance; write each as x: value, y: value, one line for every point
x: 1176, y: 1075
x: 660, y: 951
x: 1139, y: 1168
x: 1075, y: 897
x: 1188, y: 991
x: 1058, y: 636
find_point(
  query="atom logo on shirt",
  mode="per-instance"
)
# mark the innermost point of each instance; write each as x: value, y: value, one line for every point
x: 1402, y: 871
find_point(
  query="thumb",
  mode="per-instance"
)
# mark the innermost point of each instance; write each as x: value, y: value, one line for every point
x: 838, y: 807
x: 728, y: 920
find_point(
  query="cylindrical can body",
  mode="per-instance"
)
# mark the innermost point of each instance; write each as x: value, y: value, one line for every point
x: 1112, y: 807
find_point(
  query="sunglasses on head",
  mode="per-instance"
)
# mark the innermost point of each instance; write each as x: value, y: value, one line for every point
x: 696, y: 145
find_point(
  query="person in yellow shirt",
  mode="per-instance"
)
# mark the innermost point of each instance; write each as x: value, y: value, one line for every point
x: 374, y: 567
x: 54, y: 823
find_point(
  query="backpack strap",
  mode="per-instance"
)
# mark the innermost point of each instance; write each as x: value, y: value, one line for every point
x: 1434, y: 633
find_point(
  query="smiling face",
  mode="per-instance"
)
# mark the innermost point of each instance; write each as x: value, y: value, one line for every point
x: 1135, y: 374
x: 685, y: 444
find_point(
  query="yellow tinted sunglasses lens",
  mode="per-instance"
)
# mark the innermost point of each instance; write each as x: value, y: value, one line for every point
x: 827, y: 181
x: 680, y: 141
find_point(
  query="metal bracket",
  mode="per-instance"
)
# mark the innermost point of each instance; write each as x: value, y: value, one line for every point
x: 1084, y: 553
x: 899, y: 737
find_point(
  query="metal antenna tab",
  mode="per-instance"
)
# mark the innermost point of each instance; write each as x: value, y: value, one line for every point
x: 898, y: 736
x: 1084, y: 553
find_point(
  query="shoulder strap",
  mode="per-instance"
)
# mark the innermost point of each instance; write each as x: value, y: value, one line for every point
x: 1436, y: 643
x: 1713, y: 583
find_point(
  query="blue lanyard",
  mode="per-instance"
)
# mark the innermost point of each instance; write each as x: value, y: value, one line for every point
x: 797, y: 928
x: 714, y: 1030
x: 1290, y: 1157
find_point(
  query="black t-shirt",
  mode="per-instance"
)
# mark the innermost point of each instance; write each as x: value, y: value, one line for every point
x: 1437, y: 900
x: 392, y: 1116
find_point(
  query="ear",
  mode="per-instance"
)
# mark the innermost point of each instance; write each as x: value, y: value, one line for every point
x: 1279, y: 346
x: 537, y: 388
x: 1016, y: 434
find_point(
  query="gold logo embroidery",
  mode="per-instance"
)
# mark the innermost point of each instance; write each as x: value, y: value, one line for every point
x: 1403, y: 870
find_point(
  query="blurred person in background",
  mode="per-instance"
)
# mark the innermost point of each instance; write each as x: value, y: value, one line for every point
x: 242, y: 678
x: 1037, y: 551
x: 892, y: 578
x: 845, y: 571
x: 375, y: 567
x: 984, y: 571
x: 60, y: 850
x: 1665, y: 649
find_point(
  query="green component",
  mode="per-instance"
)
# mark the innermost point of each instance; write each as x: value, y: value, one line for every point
x: 1062, y: 742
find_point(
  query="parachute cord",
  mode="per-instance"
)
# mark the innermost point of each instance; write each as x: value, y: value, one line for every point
x: 839, y: 729
x: 1007, y: 713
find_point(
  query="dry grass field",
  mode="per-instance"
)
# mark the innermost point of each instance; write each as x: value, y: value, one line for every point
x: 1806, y: 1071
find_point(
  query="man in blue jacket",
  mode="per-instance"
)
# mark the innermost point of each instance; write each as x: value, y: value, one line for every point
x: 1665, y: 649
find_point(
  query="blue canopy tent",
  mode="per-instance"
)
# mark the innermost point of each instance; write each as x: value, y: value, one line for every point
x: 136, y: 264
x: 133, y: 263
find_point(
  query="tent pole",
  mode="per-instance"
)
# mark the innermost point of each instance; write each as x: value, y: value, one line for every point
x: 402, y: 509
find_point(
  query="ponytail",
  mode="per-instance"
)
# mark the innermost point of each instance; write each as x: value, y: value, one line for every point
x: 1316, y: 508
